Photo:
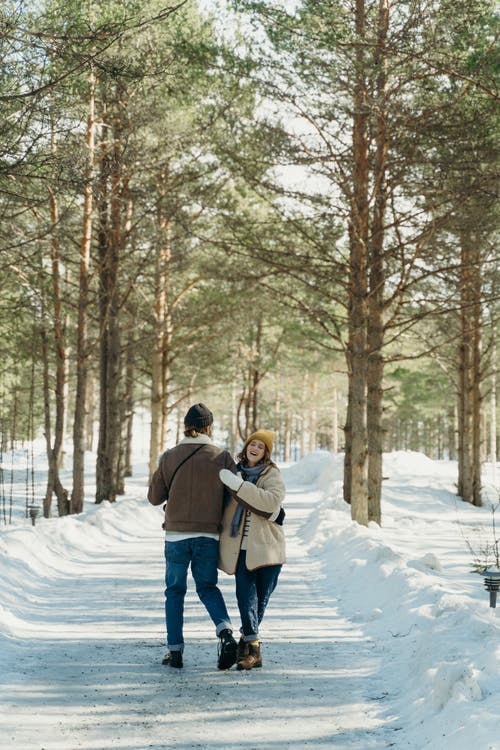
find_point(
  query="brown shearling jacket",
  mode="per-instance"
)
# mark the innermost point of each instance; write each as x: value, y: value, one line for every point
x: 195, y: 498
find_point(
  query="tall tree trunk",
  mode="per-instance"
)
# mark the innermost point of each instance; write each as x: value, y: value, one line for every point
x: 287, y: 437
x: 305, y: 424
x: 54, y: 484
x: 104, y: 291
x: 277, y: 413
x: 54, y: 438
x: 82, y: 353
x: 127, y: 399
x: 347, y: 484
x: 128, y: 402
x: 243, y: 410
x: 493, y: 415
x: 248, y: 407
x: 61, y: 366
x: 49, y: 490
x: 255, y: 378
x: 90, y: 407
x: 233, y: 424
x: 376, y: 277
x: 476, y: 371
x: 313, y: 414
x: 65, y: 389
x: 162, y: 333
x: 335, y: 420
x: 110, y: 245
x: 452, y: 433
x: 440, y: 425
x: 465, y: 395
x: 358, y: 285
x: 114, y: 388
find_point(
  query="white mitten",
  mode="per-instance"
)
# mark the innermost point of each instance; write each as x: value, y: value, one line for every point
x: 233, y: 481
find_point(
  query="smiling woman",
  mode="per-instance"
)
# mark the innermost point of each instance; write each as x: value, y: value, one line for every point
x: 252, y: 542
x: 255, y: 452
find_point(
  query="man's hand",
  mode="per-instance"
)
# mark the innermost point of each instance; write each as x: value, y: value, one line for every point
x: 233, y: 481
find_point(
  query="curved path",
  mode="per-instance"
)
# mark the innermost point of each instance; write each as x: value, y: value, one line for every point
x: 81, y: 658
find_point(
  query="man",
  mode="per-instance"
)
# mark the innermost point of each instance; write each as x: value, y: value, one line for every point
x: 187, y: 479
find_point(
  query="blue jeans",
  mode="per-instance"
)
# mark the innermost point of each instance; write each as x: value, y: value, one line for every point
x: 203, y: 554
x: 253, y: 589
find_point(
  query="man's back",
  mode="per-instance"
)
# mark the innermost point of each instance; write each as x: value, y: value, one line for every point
x: 188, y: 479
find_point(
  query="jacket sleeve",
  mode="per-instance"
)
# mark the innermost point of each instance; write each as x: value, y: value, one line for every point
x: 265, y: 500
x: 227, y: 462
x: 158, y: 491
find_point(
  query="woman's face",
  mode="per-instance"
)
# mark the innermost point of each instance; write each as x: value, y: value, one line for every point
x: 255, y: 452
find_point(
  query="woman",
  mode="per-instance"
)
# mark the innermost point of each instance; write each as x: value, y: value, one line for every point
x: 252, y: 542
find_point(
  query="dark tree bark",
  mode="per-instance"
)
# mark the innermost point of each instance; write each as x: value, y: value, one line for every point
x: 110, y: 242
x: 82, y: 347
x: 469, y: 393
x: 162, y: 331
x: 357, y: 357
x: 375, y: 371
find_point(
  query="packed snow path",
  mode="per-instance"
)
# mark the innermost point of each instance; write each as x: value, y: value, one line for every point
x: 87, y: 673
x: 375, y: 637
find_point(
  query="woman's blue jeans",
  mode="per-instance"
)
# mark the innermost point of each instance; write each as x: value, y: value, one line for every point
x: 253, y: 589
x: 202, y: 553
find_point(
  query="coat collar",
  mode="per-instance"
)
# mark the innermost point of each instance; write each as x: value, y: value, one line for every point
x: 202, y: 438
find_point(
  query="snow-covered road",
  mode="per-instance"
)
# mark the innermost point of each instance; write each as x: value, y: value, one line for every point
x: 374, y: 638
x: 87, y: 671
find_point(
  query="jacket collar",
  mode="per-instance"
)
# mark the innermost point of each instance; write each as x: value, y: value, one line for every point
x: 202, y: 438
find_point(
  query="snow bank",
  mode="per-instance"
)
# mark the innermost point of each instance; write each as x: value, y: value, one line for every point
x: 409, y: 585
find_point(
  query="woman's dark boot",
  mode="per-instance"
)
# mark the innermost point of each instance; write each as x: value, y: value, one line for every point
x: 253, y: 658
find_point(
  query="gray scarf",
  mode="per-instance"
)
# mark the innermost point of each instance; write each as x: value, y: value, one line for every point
x: 249, y: 474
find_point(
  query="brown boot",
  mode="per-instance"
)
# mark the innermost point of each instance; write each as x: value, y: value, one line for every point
x: 242, y: 650
x: 253, y: 658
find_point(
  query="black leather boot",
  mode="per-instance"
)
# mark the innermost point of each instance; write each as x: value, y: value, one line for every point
x: 227, y: 649
x: 173, y: 659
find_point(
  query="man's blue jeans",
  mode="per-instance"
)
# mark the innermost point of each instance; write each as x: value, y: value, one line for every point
x: 253, y: 589
x: 202, y: 553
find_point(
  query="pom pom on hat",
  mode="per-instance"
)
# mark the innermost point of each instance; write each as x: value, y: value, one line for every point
x: 267, y: 437
x: 198, y: 415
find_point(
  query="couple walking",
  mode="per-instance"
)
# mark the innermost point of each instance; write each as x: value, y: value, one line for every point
x: 220, y: 514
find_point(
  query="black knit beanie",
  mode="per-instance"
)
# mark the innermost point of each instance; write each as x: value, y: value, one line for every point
x: 198, y: 416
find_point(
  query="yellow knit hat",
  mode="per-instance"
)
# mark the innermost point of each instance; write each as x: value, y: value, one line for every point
x: 267, y: 437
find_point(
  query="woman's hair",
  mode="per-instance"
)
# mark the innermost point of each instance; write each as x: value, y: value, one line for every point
x: 193, y: 432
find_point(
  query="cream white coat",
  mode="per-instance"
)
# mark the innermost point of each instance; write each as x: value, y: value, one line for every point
x: 266, y: 539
